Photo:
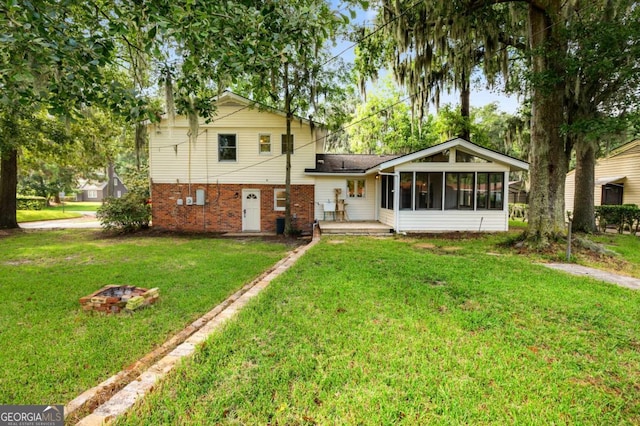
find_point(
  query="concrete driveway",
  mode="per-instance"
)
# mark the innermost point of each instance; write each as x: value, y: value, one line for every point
x: 87, y: 221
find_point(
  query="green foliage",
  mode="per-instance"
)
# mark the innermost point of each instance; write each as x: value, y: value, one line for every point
x: 127, y: 214
x: 518, y: 211
x: 624, y: 217
x: 29, y: 202
x: 384, y: 124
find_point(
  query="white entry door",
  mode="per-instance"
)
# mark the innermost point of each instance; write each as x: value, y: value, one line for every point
x: 251, y: 210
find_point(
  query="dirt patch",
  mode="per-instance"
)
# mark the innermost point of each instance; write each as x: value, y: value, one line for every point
x: 336, y: 241
x: 427, y: 246
x: 451, y: 249
x: 17, y: 262
x: 455, y: 235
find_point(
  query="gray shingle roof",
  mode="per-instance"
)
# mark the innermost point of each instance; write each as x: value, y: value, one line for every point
x: 348, y: 163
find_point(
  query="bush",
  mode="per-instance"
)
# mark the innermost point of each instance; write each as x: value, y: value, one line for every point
x: 626, y: 216
x: 28, y: 202
x: 127, y: 214
x: 518, y: 211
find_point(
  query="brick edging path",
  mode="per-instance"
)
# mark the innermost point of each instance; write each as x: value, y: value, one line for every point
x: 183, y: 345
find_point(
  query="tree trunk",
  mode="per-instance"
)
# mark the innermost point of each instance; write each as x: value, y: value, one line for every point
x: 110, y: 175
x: 583, y: 202
x: 8, y: 188
x: 465, y: 106
x: 288, y: 226
x: 549, y: 155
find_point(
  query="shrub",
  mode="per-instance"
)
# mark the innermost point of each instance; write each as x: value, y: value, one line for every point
x: 626, y: 216
x: 28, y: 202
x: 127, y: 214
x: 518, y: 211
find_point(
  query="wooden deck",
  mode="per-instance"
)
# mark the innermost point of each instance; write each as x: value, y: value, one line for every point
x: 355, y: 228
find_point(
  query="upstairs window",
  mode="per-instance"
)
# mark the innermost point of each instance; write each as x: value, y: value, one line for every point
x: 227, y: 147
x: 287, y: 147
x: 264, y: 143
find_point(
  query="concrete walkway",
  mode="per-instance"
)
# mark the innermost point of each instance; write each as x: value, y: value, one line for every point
x: 87, y: 221
x: 195, y: 334
x: 621, y: 280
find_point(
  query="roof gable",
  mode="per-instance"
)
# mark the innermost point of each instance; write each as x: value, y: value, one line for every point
x: 631, y: 148
x: 469, y: 147
x: 228, y: 98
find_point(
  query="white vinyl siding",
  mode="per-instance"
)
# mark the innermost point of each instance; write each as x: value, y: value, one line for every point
x: 387, y: 217
x: 458, y: 220
x: 625, y: 164
x: 169, y: 150
x: 356, y: 208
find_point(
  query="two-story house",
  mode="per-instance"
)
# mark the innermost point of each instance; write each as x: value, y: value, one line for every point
x: 232, y: 178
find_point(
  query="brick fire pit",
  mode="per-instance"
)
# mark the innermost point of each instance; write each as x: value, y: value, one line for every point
x: 115, y: 298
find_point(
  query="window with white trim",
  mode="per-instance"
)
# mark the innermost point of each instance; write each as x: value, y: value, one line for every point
x: 92, y: 193
x: 227, y: 147
x: 355, y: 188
x: 490, y: 192
x: 264, y: 144
x: 279, y: 199
x: 459, y: 191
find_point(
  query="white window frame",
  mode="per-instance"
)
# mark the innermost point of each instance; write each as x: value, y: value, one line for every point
x: 235, y: 160
x: 92, y: 193
x: 276, y: 198
x: 356, y: 187
x: 260, y: 144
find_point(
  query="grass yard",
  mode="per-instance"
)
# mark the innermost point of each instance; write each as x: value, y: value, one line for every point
x: 51, y: 351
x: 36, y: 215
x: 77, y: 206
x: 627, y: 246
x: 415, y: 331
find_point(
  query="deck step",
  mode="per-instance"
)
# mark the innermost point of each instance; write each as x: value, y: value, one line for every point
x: 355, y: 228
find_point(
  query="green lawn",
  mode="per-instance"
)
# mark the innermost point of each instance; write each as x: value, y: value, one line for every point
x: 51, y: 351
x: 36, y: 215
x: 77, y: 206
x: 57, y: 212
x: 628, y: 247
x: 379, y: 331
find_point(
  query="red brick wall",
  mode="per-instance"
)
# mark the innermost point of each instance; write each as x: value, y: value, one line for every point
x: 222, y: 211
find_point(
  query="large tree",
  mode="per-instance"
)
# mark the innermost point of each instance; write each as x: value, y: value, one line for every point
x: 603, y: 89
x: 432, y: 47
x: 545, y: 56
x: 273, y: 52
x: 54, y: 57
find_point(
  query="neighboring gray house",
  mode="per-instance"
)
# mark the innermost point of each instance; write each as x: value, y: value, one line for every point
x: 97, y: 191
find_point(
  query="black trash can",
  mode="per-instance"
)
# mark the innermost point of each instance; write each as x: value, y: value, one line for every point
x: 280, y: 225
